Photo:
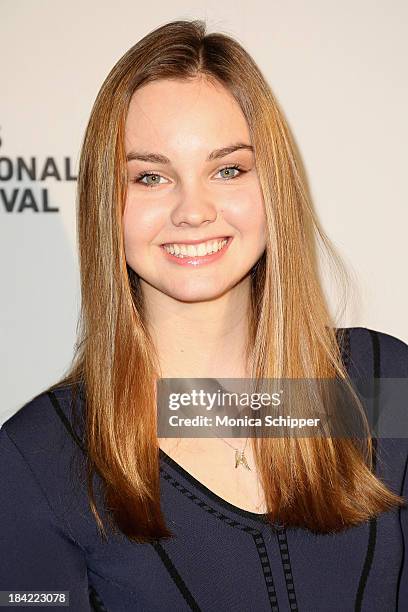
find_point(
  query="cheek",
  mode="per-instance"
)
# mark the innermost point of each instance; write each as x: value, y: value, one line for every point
x: 141, y: 223
x: 247, y: 214
x: 131, y: 230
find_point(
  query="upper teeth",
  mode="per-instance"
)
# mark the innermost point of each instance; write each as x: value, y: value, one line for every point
x: 188, y: 250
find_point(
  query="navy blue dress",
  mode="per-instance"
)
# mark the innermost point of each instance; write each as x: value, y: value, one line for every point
x: 223, y: 558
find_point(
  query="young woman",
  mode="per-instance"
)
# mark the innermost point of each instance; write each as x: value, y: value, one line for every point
x: 196, y: 244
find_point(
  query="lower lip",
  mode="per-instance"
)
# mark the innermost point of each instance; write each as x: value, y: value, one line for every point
x: 195, y: 260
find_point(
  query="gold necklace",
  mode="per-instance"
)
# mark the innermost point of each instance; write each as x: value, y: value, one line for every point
x: 239, y: 454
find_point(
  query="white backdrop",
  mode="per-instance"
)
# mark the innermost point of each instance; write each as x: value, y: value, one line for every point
x: 337, y: 68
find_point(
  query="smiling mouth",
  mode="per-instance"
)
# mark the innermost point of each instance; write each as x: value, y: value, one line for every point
x: 199, y: 249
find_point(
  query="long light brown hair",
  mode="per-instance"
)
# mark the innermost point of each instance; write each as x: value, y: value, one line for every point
x: 291, y: 331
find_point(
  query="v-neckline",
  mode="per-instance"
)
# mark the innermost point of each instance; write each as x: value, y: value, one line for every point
x: 259, y: 517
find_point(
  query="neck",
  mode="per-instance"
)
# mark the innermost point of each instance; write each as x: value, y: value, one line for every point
x: 205, y: 339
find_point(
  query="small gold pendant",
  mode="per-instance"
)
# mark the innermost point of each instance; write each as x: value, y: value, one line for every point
x: 240, y: 458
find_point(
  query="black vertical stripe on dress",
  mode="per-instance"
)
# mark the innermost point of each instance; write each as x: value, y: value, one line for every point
x: 373, y: 522
x: 95, y: 600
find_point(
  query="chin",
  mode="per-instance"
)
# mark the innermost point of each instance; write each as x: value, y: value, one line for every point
x: 195, y: 294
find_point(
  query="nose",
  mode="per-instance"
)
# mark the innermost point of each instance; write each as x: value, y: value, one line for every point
x: 194, y: 207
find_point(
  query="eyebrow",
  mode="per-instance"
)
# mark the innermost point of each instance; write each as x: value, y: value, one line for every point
x: 158, y: 158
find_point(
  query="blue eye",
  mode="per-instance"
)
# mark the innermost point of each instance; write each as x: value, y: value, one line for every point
x: 232, y: 167
x: 139, y: 178
x: 146, y: 174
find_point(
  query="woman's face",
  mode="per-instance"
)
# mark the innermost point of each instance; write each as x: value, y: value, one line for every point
x: 185, y: 137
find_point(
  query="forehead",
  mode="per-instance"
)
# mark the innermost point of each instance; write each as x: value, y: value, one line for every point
x: 184, y: 113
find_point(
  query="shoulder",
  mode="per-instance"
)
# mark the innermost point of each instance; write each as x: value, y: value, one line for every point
x: 41, y: 409
x: 367, y: 348
x: 39, y: 454
x: 375, y: 354
x: 43, y: 491
x: 40, y: 428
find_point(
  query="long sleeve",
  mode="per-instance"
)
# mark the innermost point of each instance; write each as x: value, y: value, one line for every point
x: 36, y: 553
